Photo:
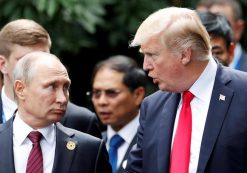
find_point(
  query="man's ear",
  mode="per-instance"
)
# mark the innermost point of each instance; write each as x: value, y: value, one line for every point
x: 3, y: 63
x: 139, y: 94
x: 231, y: 52
x: 186, y: 56
x: 19, y: 88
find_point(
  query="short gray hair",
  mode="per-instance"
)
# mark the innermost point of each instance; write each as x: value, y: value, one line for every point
x: 25, y: 67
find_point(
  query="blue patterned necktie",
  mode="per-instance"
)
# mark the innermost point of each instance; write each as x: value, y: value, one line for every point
x: 115, y: 142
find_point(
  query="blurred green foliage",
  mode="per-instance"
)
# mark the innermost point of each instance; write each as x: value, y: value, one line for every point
x: 74, y: 24
x: 70, y: 23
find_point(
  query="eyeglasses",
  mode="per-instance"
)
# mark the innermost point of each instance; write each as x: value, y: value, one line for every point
x: 110, y: 93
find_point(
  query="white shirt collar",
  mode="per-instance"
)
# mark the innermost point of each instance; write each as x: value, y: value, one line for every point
x: 204, y: 84
x: 21, y: 131
x: 9, y: 106
x: 127, y: 132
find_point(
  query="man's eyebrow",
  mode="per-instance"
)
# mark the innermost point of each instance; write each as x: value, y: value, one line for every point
x: 216, y: 47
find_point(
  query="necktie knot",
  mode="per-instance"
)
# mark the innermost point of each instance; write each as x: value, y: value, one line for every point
x: 116, y: 141
x: 187, y: 97
x: 35, y: 136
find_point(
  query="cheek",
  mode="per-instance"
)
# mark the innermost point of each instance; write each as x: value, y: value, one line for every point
x: 122, y: 105
x: 44, y: 97
x: 47, y: 98
x: 171, y: 74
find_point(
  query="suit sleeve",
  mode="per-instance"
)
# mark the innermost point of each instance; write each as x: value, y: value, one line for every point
x: 102, y: 164
x: 134, y: 163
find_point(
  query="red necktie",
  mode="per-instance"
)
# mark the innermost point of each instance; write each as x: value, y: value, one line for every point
x: 35, y: 159
x: 180, y: 156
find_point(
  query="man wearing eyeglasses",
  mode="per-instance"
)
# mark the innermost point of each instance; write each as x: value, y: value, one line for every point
x: 118, y: 88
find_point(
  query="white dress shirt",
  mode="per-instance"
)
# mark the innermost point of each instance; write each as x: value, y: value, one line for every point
x: 128, y: 132
x: 22, y: 145
x: 9, y: 106
x: 202, y: 91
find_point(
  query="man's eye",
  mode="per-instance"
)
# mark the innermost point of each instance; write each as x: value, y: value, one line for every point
x: 96, y: 93
x: 112, y: 93
x: 52, y: 86
x: 66, y: 87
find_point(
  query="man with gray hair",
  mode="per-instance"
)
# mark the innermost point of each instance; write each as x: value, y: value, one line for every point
x: 33, y: 140
x: 197, y: 122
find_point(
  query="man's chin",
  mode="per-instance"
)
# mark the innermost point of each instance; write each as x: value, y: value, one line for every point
x: 57, y: 117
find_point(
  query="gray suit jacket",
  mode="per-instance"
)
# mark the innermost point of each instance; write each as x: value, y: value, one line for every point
x: 89, y: 156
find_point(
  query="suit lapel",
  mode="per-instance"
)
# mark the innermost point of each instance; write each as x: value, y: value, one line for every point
x: 220, y: 101
x: 104, y: 136
x: 66, y: 147
x: 165, y: 131
x: 6, y: 147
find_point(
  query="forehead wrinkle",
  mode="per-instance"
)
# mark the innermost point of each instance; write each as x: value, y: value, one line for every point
x: 51, y: 73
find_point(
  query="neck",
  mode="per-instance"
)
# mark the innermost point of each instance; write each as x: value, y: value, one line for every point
x: 117, y: 127
x: 192, y: 74
x: 8, y: 90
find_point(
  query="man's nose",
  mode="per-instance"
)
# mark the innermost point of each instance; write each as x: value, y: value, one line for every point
x: 62, y: 96
x: 147, y: 65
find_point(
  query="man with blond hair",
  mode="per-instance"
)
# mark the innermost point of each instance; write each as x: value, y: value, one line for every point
x: 18, y: 38
x: 197, y: 122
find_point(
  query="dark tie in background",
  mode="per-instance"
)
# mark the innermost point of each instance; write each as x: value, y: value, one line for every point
x: 115, y: 142
x: 35, y: 159
x: 180, y: 157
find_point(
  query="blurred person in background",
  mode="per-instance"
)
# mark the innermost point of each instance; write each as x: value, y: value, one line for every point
x: 221, y: 37
x: 118, y: 88
x: 204, y: 5
x: 232, y: 10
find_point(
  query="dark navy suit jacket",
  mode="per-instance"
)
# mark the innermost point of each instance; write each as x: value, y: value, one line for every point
x: 89, y: 155
x: 224, y: 142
